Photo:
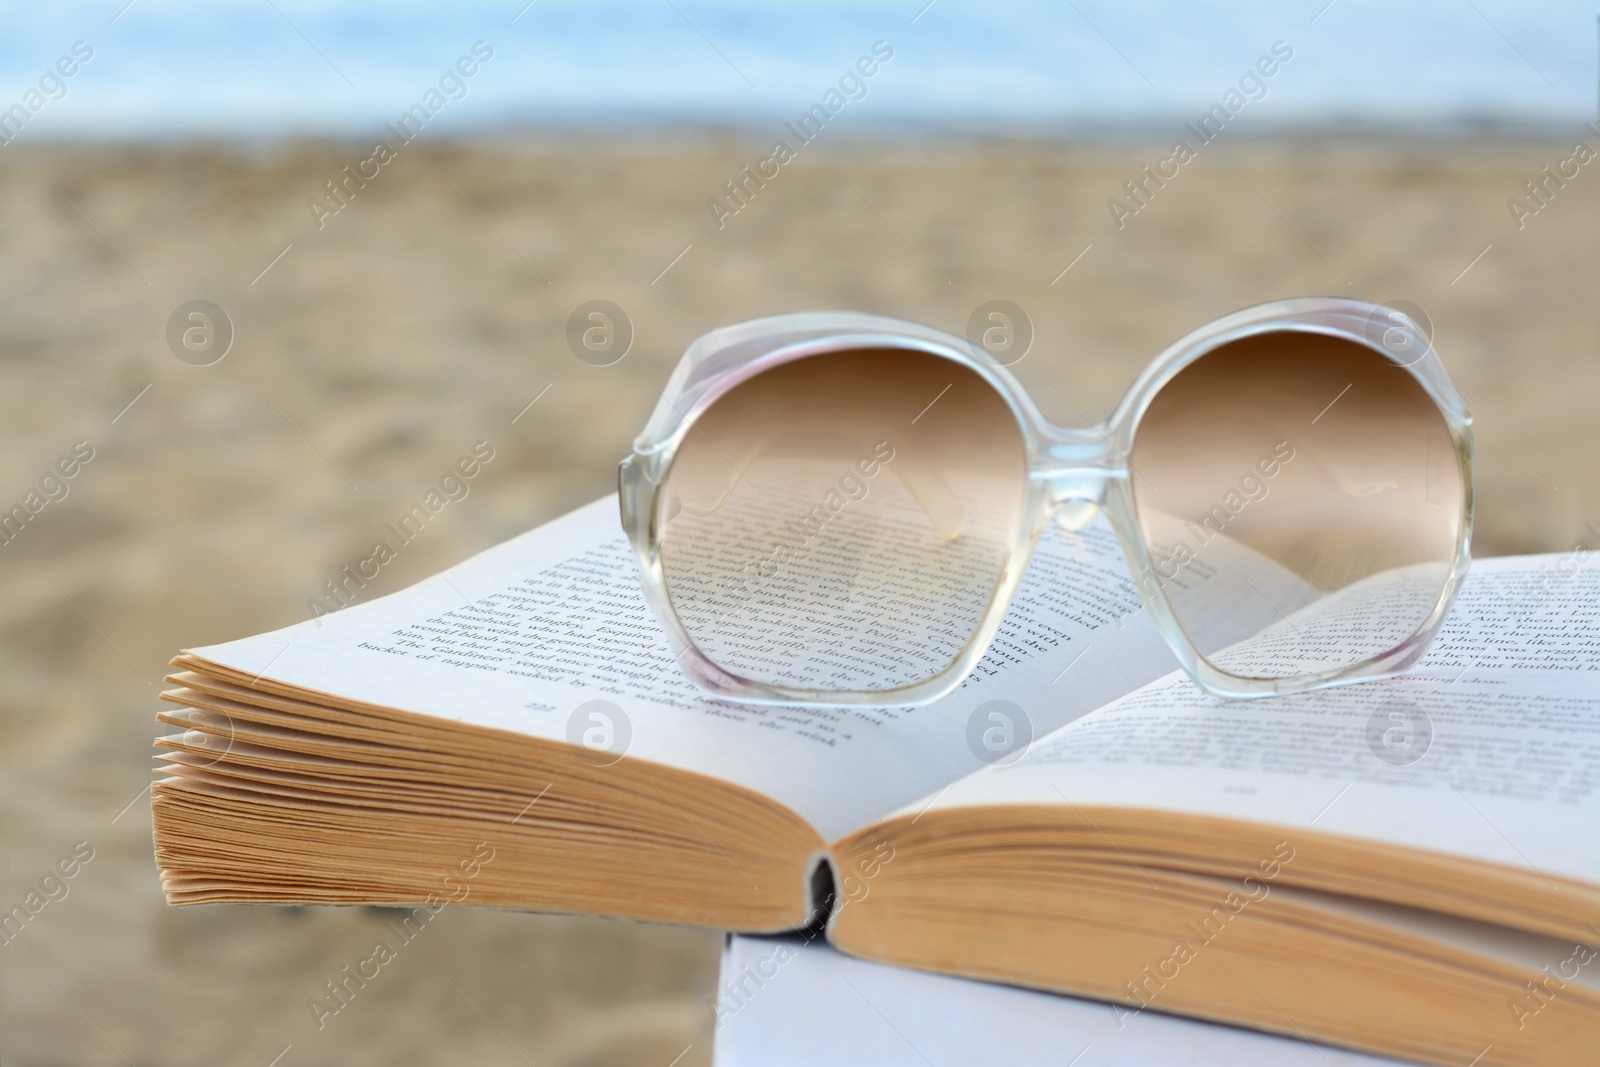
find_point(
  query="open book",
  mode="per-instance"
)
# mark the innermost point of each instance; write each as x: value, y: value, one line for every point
x: 1409, y: 866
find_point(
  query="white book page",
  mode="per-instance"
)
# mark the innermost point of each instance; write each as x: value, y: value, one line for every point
x: 1489, y: 748
x: 787, y: 1001
x: 522, y: 636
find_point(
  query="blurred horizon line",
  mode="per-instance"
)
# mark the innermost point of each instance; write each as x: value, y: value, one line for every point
x: 696, y: 134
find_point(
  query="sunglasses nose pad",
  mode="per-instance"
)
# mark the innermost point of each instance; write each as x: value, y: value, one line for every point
x: 1074, y: 515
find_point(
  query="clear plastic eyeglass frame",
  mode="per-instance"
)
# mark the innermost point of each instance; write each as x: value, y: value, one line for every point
x: 1070, y: 471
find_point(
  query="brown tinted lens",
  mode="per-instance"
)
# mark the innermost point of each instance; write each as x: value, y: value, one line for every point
x: 841, y: 522
x: 1301, y: 499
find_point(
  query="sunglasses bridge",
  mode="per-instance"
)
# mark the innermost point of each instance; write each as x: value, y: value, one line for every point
x: 1077, y: 467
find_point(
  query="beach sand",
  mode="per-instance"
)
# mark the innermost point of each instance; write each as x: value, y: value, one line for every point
x: 425, y: 316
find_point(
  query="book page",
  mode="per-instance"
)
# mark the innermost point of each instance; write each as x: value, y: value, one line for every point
x: 788, y: 1001
x: 549, y: 635
x: 1489, y: 748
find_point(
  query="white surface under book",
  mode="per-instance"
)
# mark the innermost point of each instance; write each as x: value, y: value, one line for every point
x: 788, y: 1002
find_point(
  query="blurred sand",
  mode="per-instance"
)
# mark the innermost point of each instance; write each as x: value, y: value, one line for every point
x: 378, y: 349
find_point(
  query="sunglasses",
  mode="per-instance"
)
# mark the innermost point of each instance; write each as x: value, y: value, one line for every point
x: 838, y: 509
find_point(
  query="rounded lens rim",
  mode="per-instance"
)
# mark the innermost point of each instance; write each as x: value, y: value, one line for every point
x: 643, y: 476
x: 1332, y: 317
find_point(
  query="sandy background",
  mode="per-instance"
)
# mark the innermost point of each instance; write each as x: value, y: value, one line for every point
x: 423, y: 318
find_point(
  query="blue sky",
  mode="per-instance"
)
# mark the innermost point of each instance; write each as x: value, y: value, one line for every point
x: 266, y: 68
